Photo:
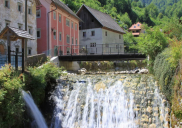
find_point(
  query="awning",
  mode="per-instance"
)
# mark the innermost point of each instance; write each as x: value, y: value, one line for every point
x: 15, y: 34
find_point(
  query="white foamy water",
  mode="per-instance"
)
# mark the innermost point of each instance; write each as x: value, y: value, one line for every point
x: 34, y: 110
x: 122, y: 102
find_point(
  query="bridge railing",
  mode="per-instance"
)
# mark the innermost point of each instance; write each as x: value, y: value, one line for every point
x: 93, y: 49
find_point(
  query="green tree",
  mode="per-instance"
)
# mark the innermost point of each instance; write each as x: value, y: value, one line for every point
x: 152, y: 42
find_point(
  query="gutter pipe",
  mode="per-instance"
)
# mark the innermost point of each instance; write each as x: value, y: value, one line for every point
x: 48, y: 23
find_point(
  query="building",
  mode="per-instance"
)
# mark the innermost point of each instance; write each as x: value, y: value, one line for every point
x: 57, y: 28
x: 99, y: 33
x: 12, y: 13
x: 136, y: 29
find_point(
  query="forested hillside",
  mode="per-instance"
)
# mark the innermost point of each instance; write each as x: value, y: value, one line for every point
x: 127, y: 12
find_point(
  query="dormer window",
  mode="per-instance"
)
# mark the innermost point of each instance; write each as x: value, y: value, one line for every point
x: 138, y: 24
x: 134, y: 26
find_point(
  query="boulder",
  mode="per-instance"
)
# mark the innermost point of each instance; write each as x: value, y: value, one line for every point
x: 82, y: 71
x: 143, y: 71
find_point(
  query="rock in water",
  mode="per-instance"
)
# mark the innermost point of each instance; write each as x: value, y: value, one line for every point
x: 99, y: 85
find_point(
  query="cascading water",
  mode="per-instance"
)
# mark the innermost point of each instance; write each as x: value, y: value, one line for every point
x: 39, y: 120
x: 110, y: 101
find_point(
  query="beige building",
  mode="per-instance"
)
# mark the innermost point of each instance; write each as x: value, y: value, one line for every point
x: 12, y: 13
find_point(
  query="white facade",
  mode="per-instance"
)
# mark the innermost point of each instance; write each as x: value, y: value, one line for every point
x: 102, y: 41
x: 14, y: 15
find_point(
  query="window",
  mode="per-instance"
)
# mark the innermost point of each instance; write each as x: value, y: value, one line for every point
x: 105, y: 33
x: 137, y: 31
x: 84, y: 34
x: 93, y: 33
x: 138, y: 24
x: 7, y: 22
x: 29, y: 51
x: 38, y: 33
x: 107, y: 45
x: 38, y: 13
x: 117, y: 46
x: 30, y: 10
x: 20, y: 9
x: 92, y: 44
x: 68, y: 39
x: 54, y: 15
x: 75, y: 26
x: 54, y: 34
x: 59, y: 17
x: 7, y: 3
x: 76, y: 42
x: 72, y: 41
x: 20, y: 26
x: 119, y: 36
x: 67, y: 22
x: 30, y: 30
x: 71, y: 24
x: 60, y: 36
x: 134, y: 26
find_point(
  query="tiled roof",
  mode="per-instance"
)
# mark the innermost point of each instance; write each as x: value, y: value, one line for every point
x: 105, y: 20
x: 17, y: 34
x: 136, y: 26
x: 66, y: 8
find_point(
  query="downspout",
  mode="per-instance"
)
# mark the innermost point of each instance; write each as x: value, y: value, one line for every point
x: 48, y: 23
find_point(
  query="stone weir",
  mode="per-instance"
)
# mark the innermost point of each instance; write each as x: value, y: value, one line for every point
x: 110, y: 101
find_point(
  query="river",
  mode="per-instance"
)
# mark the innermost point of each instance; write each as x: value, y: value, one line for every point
x: 110, y: 101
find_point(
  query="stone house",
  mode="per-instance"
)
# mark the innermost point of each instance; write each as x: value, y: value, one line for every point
x: 12, y: 13
x: 57, y: 25
x: 99, y: 32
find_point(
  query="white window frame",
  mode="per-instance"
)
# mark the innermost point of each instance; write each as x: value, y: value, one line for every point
x: 54, y: 34
x: 38, y: 11
x: 54, y: 15
x: 75, y: 26
x: 60, y: 18
x: 30, y: 10
x: 93, y: 34
x: 76, y: 42
x: 30, y: 30
x: 21, y: 7
x: 68, y: 41
x: 7, y: 22
x: 93, y: 44
x: 60, y: 36
x: 8, y: 3
x: 39, y: 30
x: 20, y: 26
x: 105, y: 33
x: 72, y: 40
x: 67, y: 22
x: 85, y: 34
x: 30, y: 51
x: 71, y: 24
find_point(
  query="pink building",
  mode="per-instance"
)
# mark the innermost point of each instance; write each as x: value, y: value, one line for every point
x: 57, y: 28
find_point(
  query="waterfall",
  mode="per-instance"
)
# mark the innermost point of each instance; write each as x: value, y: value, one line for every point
x: 108, y: 101
x: 40, y: 122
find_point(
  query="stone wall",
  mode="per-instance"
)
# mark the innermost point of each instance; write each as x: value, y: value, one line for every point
x: 36, y: 60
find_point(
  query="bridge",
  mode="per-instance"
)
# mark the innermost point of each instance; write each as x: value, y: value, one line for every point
x: 97, y: 52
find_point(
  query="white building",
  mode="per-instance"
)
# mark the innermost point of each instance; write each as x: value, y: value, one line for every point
x: 99, y: 33
x: 12, y: 13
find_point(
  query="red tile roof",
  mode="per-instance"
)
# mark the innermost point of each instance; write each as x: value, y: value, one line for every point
x: 136, y: 26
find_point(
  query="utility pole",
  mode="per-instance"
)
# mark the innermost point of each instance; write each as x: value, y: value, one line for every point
x: 25, y: 30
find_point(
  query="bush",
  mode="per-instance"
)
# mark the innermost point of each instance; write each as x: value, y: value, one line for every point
x: 164, y: 73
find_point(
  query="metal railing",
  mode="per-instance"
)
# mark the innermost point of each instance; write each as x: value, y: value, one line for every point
x: 92, y: 49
